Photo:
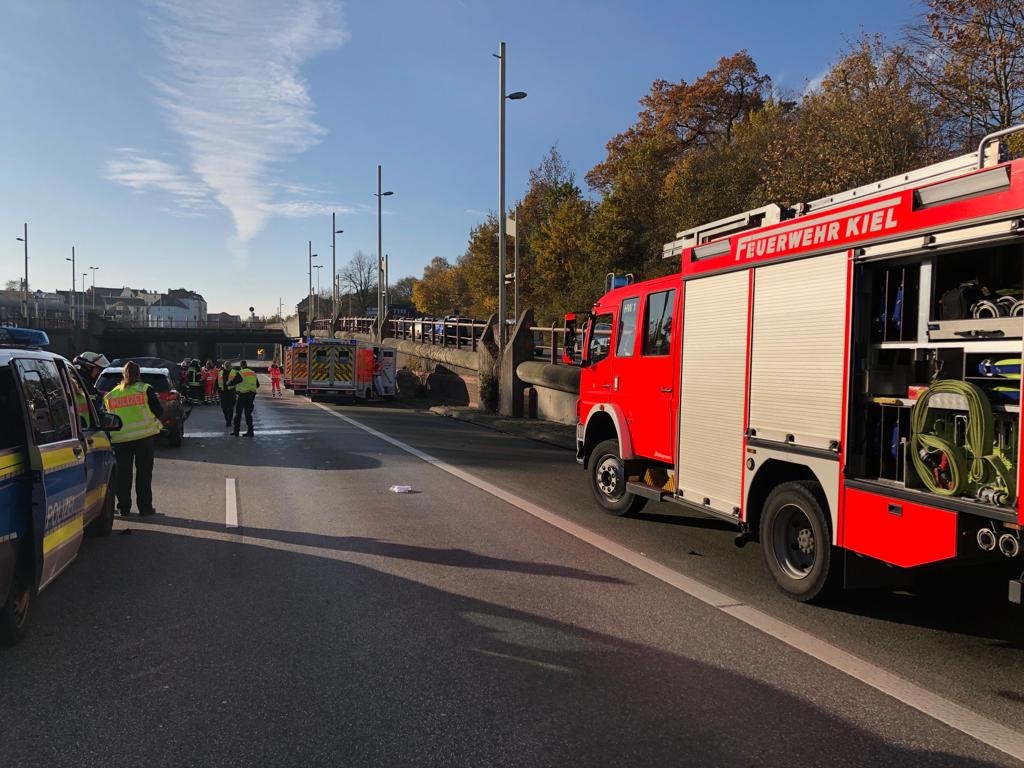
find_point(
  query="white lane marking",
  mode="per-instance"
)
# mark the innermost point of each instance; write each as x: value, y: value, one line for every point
x: 960, y: 718
x: 230, y: 502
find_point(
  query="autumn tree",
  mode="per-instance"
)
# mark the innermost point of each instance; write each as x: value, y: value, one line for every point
x: 680, y: 124
x: 868, y: 120
x: 400, y: 291
x: 441, y: 289
x: 359, y: 278
x: 478, y: 267
x: 968, y: 57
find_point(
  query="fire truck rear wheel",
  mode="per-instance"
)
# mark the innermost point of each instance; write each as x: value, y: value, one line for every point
x: 608, y: 480
x: 797, y: 542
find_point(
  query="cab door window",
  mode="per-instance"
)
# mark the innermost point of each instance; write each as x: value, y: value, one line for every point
x: 658, y: 319
x: 627, y: 328
x: 600, y: 338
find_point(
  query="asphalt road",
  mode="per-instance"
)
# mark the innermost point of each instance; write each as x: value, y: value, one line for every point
x: 342, y: 624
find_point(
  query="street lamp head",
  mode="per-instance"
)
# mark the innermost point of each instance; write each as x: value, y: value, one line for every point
x: 338, y: 231
x: 20, y: 239
x: 516, y: 95
x: 383, y: 194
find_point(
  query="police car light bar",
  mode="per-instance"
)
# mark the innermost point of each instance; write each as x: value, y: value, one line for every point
x: 23, y: 337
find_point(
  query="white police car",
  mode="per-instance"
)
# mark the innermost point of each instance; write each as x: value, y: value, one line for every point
x: 56, y: 472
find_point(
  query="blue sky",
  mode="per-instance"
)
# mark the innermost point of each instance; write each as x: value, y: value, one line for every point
x: 201, y: 143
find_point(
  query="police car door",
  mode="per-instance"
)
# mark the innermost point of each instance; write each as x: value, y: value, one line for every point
x: 57, y: 460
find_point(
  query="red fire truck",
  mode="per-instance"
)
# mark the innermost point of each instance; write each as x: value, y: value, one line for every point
x: 840, y: 380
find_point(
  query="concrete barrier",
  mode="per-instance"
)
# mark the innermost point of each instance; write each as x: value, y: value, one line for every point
x: 552, y: 390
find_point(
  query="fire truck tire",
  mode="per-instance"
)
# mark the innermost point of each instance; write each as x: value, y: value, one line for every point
x: 608, y: 481
x: 797, y: 542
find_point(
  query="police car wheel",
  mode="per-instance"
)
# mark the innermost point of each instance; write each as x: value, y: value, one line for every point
x: 14, y: 613
x: 103, y: 524
x: 608, y: 481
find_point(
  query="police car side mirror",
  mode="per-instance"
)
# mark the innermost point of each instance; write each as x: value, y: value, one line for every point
x: 110, y: 422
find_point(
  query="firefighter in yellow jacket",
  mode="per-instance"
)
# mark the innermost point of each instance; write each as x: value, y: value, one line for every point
x: 139, y: 410
x: 244, y: 383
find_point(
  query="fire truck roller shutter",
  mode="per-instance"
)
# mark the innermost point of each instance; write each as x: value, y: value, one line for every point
x: 713, y: 383
x: 798, y: 344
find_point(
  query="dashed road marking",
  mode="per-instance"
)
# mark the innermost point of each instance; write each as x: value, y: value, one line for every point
x: 946, y: 711
x: 230, y: 502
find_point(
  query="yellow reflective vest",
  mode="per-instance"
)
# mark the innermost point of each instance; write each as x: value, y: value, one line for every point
x: 131, y: 404
x: 248, y: 382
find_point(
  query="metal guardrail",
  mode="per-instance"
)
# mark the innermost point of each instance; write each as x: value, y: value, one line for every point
x: 256, y: 325
x: 458, y: 334
x: 553, y: 350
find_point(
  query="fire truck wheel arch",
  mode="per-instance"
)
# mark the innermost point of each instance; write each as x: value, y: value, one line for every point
x: 774, y: 467
x: 605, y: 422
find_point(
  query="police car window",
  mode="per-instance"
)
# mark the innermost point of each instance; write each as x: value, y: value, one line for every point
x: 600, y: 338
x: 12, y: 422
x: 57, y: 397
x: 85, y: 416
x: 627, y: 328
x: 658, y: 319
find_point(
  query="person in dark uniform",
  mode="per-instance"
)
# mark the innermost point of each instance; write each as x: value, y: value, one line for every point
x: 227, y: 396
x: 245, y: 383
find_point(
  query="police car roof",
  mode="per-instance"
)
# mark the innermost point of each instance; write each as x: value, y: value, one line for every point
x: 9, y: 353
x: 119, y: 369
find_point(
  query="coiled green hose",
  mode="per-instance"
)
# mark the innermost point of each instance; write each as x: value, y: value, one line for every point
x: 979, y: 439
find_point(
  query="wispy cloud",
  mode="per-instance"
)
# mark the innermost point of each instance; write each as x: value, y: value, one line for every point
x: 475, y: 212
x: 232, y: 89
x: 304, y: 209
x: 143, y: 174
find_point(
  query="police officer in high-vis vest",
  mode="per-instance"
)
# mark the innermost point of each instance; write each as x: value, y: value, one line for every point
x: 245, y: 383
x: 139, y: 409
x: 227, y: 396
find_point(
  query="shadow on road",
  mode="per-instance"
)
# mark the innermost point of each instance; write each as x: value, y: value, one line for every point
x: 454, y: 557
x: 166, y: 650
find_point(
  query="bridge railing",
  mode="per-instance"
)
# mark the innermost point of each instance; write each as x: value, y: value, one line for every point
x: 160, y: 322
x: 458, y: 334
x: 549, y: 345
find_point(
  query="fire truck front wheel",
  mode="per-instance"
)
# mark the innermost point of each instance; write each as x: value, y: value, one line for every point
x: 797, y: 542
x: 608, y: 480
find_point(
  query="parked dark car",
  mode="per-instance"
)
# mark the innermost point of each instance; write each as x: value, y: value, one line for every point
x: 174, y: 369
x: 159, y: 379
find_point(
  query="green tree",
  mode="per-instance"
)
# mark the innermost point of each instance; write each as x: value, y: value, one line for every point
x: 440, y: 290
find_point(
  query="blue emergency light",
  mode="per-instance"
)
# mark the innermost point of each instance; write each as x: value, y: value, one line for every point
x: 23, y: 337
x: 620, y: 281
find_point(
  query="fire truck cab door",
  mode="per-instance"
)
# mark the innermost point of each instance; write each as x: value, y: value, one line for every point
x: 645, y: 374
x: 600, y: 379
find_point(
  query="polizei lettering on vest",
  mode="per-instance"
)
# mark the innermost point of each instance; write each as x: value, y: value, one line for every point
x: 855, y: 226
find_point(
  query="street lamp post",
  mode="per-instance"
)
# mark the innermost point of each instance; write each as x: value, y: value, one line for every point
x: 381, y: 277
x: 502, y: 96
x: 317, y: 267
x: 334, y: 270
x: 309, y: 298
x: 84, y: 275
x: 94, y: 270
x: 24, y: 285
x: 71, y: 299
